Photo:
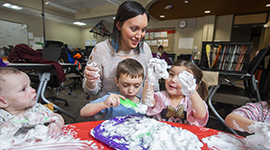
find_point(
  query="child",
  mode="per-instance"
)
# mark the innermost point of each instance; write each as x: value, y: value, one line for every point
x: 252, y: 118
x: 180, y: 102
x: 18, y: 101
x: 129, y: 77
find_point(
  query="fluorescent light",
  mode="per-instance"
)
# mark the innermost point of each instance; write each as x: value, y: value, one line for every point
x: 12, y: 6
x: 207, y: 12
x: 60, y: 7
x: 115, y: 2
x: 185, y: 2
x: 79, y: 23
x: 267, y: 5
x: 168, y: 7
x: 162, y: 16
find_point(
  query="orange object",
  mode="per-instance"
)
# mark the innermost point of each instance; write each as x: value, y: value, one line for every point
x: 78, y: 56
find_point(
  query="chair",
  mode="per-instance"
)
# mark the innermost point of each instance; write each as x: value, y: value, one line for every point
x: 71, y: 73
x: 53, y: 44
x: 171, y: 56
x: 53, y: 53
x: 184, y: 57
x: 228, y: 96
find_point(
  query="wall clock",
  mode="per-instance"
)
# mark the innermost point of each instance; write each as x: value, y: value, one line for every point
x: 182, y: 24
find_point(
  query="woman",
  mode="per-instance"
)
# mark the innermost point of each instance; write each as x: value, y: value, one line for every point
x: 127, y: 41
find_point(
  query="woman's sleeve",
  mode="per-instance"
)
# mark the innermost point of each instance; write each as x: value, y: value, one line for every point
x: 159, y: 105
x: 96, y: 56
x: 194, y: 121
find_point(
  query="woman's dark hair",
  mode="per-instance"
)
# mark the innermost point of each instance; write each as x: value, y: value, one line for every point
x: 127, y: 10
x: 202, y: 86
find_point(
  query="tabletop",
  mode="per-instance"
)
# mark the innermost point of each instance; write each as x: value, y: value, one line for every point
x: 82, y: 130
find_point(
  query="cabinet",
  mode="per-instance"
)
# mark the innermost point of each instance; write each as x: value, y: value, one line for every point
x: 226, y: 56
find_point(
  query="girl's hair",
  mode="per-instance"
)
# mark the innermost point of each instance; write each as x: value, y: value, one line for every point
x: 129, y: 67
x: 202, y: 86
x: 127, y: 10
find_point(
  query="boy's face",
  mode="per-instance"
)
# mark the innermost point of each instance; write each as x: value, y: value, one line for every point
x: 129, y: 87
x: 17, y: 92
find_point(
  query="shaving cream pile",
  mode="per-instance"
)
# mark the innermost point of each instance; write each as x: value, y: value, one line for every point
x: 38, y: 138
x: 145, y: 133
x: 224, y: 141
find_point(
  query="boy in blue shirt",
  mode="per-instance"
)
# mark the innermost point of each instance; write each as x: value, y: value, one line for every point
x: 129, y: 78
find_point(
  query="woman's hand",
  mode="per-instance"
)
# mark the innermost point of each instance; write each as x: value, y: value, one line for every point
x: 91, y: 74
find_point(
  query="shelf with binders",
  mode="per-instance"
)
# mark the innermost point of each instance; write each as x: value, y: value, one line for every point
x: 226, y: 56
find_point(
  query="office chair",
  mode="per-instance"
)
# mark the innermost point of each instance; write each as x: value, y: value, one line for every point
x: 229, y: 96
x: 184, y: 57
x: 171, y: 57
x: 71, y: 73
x: 53, y: 44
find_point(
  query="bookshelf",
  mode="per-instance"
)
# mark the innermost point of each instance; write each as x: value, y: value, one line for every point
x: 226, y: 56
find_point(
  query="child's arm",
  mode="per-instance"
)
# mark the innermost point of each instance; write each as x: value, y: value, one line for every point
x: 188, y: 83
x: 198, y: 106
x: 156, y: 69
x: 91, y: 109
x: 55, y: 128
x: 238, y: 122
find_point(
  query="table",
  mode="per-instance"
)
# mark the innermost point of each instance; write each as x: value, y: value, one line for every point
x: 44, y: 73
x: 83, y: 131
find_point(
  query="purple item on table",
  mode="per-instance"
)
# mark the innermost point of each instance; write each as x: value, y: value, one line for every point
x: 97, y: 132
x: 2, y: 64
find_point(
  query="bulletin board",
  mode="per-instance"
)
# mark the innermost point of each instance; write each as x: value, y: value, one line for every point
x: 12, y: 33
x: 156, y: 37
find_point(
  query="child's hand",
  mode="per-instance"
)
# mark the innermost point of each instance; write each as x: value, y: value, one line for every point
x: 261, y: 135
x: 156, y: 69
x: 54, y: 130
x: 188, y: 83
x: 113, y: 100
x: 91, y: 72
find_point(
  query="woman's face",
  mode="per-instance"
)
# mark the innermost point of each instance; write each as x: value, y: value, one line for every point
x: 132, y: 31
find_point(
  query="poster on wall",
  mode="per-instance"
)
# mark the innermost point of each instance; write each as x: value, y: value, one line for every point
x: 165, y: 43
x: 87, y: 42
x: 153, y: 42
x: 146, y: 35
x: 157, y: 34
x: 151, y: 35
x: 94, y: 42
x: 160, y: 42
x: 163, y: 34
x: 185, y: 43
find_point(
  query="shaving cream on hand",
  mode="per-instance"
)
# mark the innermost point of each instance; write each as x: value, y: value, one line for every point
x: 156, y: 69
x: 261, y: 134
x: 188, y: 83
x: 94, y: 65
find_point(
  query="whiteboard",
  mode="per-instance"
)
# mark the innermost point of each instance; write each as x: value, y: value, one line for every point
x: 12, y: 33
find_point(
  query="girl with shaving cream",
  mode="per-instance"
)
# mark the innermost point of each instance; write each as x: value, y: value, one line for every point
x: 180, y: 102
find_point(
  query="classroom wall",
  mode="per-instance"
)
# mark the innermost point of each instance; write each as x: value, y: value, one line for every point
x: 76, y: 36
x: 54, y: 30
x: 222, y: 32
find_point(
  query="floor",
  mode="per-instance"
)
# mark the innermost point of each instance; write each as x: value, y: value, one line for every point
x: 75, y: 104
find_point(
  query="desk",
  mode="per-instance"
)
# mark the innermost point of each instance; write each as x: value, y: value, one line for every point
x: 44, y: 73
x: 83, y: 132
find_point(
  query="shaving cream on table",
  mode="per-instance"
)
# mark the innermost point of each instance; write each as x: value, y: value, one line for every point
x: 139, y: 132
x: 38, y: 138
